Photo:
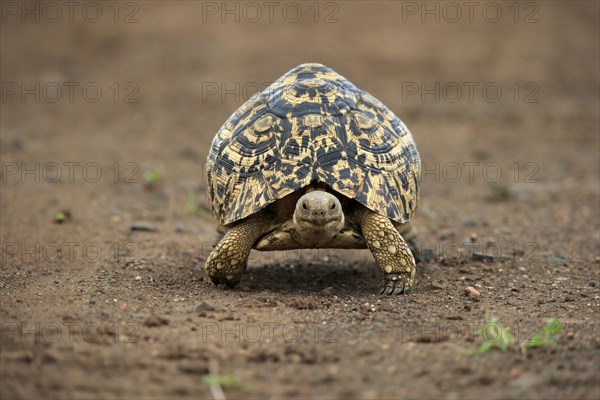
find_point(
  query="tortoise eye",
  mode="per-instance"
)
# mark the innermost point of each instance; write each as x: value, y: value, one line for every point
x: 333, y: 206
x: 304, y: 207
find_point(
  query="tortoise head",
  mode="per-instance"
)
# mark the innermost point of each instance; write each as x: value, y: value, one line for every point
x: 318, y: 212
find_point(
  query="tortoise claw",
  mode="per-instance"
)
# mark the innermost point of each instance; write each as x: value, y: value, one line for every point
x: 394, y: 287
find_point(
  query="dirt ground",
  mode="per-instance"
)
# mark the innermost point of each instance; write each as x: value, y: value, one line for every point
x: 108, y: 111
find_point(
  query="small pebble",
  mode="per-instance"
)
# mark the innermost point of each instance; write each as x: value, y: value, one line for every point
x: 472, y: 293
x: 206, y: 306
x: 155, y: 320
x: 490, y: 258
x: 556, y: 260
x: 514, y: 373
x: 143, y: 226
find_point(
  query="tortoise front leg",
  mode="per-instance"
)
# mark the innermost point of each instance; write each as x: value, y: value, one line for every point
x: 227, y: 262
x: 391, y: 253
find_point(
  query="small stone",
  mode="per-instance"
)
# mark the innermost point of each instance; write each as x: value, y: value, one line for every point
x: 206, y: 306
x: 68, y: 318
x: 138, y: 278
x: 155, y: 321
x: 472, y: 293
x: 490, y: 258
x: 556, y: 260
x: 195, y: 367
x: 143, y: 226
x: 514, y: 373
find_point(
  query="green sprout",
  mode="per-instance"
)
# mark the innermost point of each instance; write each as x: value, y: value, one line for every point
x: 497, y: 336
x: 62, y: 216
x: 545, y: 337
x: 152, y: 176
x: 494, y: 335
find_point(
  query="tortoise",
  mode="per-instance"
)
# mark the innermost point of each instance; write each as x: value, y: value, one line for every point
x: 314, y: 162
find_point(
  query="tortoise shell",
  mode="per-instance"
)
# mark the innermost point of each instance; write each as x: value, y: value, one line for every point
x: 313, y: 125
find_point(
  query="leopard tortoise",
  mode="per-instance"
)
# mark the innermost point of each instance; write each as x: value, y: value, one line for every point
x: 314, y: 162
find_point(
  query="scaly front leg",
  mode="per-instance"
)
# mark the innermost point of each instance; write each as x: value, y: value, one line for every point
x: 391, y: 253
x: 227, y: 262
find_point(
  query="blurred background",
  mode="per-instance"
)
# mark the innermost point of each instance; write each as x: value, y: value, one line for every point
x: 149, y: 83
x: 108, y: 110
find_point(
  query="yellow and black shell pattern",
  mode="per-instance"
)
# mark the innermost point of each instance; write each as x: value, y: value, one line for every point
x: 313, y: 125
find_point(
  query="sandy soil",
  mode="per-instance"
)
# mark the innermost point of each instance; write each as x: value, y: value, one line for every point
x: 505, y: 114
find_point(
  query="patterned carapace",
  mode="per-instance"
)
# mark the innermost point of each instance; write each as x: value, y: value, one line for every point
x: 313, y: 125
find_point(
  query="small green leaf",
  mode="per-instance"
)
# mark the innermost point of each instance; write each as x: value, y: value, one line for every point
x: 62, y: 216
x: 485, y: 346
x: 152, y: 176
x: 545, y: 337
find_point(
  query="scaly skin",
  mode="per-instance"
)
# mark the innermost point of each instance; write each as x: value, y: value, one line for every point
x: 391, y: 252
x: 227, y: 262
x: 318, y: 217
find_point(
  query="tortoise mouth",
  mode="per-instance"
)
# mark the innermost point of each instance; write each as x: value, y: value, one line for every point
x: 321, y: 222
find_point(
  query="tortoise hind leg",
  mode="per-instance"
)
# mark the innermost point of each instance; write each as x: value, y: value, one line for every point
x: 391, y: 252
x: 409, y: 234
x: 227, y: 262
